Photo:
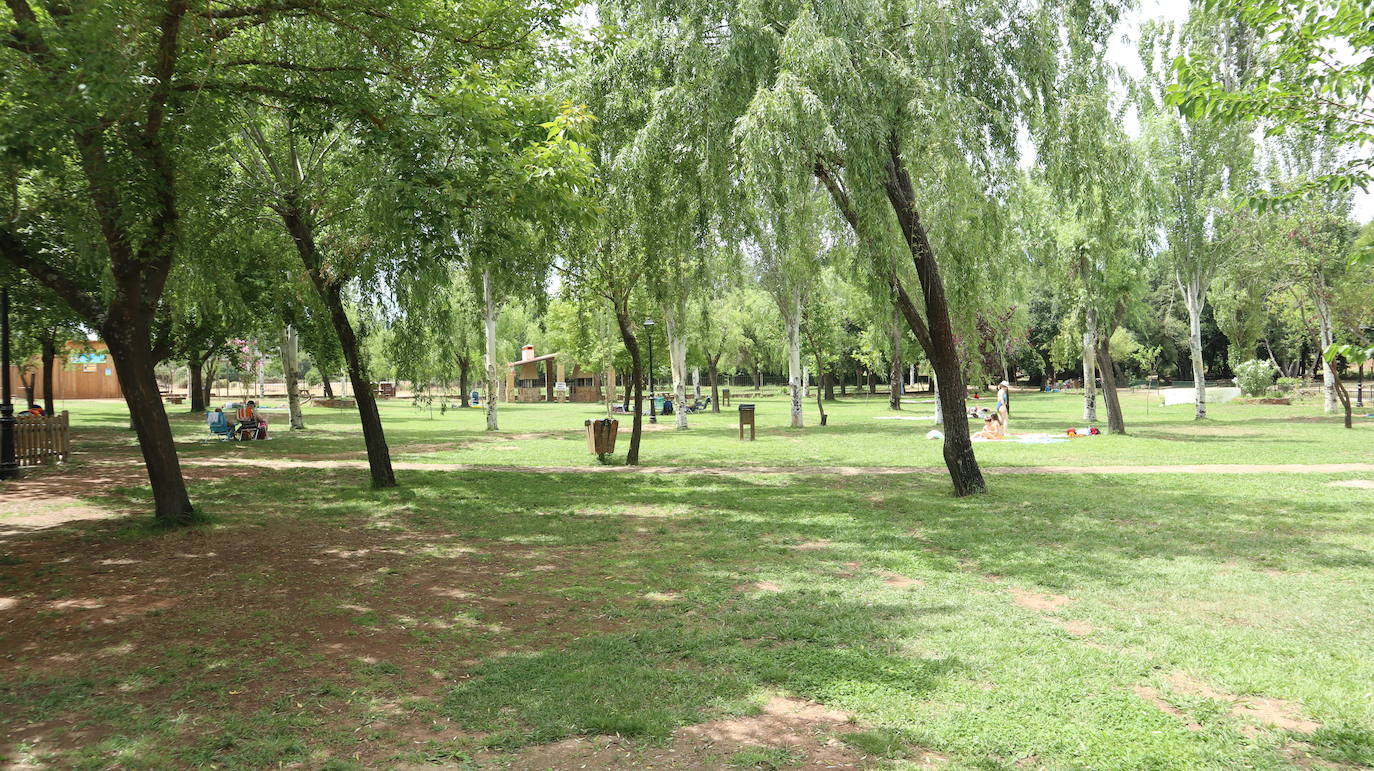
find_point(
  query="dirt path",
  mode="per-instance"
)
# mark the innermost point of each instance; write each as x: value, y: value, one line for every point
x: 1215, y: 468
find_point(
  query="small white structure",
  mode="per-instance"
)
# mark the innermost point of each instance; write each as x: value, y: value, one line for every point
x: 1188, y: 395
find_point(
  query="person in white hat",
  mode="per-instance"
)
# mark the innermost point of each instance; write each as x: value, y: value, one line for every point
x: 1004, y: 403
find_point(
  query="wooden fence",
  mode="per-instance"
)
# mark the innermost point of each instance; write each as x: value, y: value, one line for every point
x: 42, y: 441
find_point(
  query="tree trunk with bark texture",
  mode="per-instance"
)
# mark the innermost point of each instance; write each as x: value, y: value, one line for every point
x: 464, y: 366
x: 894, y: 367
x: 677, y: 365
x: 1090, y: 366
x: 330, y: 291
x: 933, y: 331
x: 128, y: 339
x: 326, y: 385
x: 1193, y: 297
x: 49, y: 355
x: 196, y: 368
x: 627, y: 336
x: 1325, y: 337
x: 827, y: 384
x: 712, y: 372
x: 489, y: 327
x: 290, y: 367
x: 791, y: 318
x: 1116, y: 422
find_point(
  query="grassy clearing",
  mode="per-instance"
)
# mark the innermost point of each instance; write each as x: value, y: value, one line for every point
x: 552, y: 435
x: 1162, y: 622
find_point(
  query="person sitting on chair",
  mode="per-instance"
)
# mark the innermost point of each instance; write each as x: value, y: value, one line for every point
x: 249, y: 422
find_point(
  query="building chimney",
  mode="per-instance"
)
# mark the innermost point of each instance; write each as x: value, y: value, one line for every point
x: 526, y: 352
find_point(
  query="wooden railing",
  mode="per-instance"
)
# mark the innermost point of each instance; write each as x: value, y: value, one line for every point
x: 40, y: 441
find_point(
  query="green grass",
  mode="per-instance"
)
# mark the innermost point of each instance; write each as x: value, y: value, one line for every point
x: 553, y: 435
x: 628, y: 605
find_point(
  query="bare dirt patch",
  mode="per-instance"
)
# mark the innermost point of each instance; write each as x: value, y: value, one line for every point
x: 1273, y: 713
x: 808, y: 730
x: 1363, y: 484
x: 1152, y: 696
x: 1036, y: 601
x: 899, y: 581
x: 1078, y: 628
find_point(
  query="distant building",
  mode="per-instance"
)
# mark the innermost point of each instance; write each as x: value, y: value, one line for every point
x: 545, y: 379
x: 80, y: 371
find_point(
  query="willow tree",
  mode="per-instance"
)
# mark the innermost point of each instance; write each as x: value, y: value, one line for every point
x: 1203, y: 164
x: 1104, y: 215
x: 899, y: 109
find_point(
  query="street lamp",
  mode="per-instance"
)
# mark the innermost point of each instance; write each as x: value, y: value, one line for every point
x: 9, y: 468
x: 649, y: 328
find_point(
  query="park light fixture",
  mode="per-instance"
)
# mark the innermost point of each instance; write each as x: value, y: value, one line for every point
x: 653, y: 413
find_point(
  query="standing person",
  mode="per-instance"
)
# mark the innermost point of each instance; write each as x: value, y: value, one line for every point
x: 1004, y: 403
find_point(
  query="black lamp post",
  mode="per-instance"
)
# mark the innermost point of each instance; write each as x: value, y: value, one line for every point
x: 653, y: 411
x: 9, y: 468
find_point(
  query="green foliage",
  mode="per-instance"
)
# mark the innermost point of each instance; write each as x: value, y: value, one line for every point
x: 1254, y: 377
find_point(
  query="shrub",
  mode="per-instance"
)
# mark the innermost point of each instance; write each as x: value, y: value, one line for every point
x: 1254, y: 377
x: 1287, y: 384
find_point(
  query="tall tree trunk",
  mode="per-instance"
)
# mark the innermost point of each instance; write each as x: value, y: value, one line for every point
x: 1116, y: 422
x: 1089, y: 366
x: 49, y: 356
x: 196, y: 366
x: 627, y: 336
x: 872, y: 382
x: 712, y: 372
x: 325, y: 384
x: 489, y: 322
x: 677, y: 363
x: 331, y: 292
x: 939, y: 409
x: 827, y: 384
x: 1344, y: 397
x: 934, y: 331
x: 894, y: 366
x: 464, y: 365
x: 1193, y: 298
x: 28, y: 380
x: 128, y: 338
x: 844, y: 382
x: 696, y: 383
x: 820, y: 402
x: 290, y: 367
x: 210, y: 370
x: 1326, y: 336
x: 791, y: 317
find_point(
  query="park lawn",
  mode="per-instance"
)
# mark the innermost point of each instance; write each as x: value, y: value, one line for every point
x: 553, y: 435
x: 478, y: 618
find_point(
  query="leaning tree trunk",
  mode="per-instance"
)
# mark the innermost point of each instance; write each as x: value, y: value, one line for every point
x: 326, y: 385
x: 128, y: 339
x: 1193, y: 298
x: 196, y: 369
x: 290, y: 368
x: 49, y: 355
x: 627, y: 336
x: 489, y: 326
x: 677, y: 365
x: 714, y: 375
x: 792, y: 319
x: 934, y: 331
x: 331, y: 292
x: 1116, y: 422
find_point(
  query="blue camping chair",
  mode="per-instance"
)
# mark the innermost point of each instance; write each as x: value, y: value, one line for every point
x: 219, y: 425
